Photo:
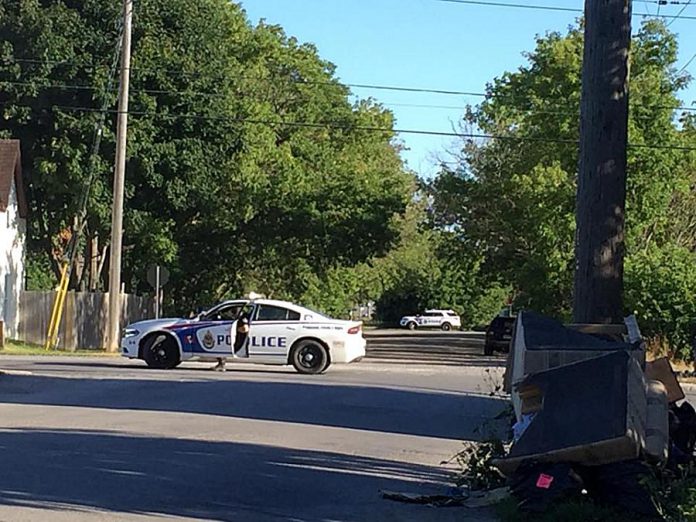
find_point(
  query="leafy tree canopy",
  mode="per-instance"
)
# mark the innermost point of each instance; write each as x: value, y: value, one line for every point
x: 512, y: 199
x: 248, y: 165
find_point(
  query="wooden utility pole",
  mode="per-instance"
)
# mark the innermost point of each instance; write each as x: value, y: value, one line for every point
x: 601, y: 196
x: 114, y: 326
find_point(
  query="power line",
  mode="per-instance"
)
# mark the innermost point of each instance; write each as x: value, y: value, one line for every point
x: 687, y: 64
x: 300, y: 81
x: 535, y: 110
x: 547, y: 7
x: 64, y: 86
x: 198, y: 93
x: 681, y: 11
x: 405, y: 89
x: 517, y: 6
x: 395, y: 88
x: 365, y: 128
x: 421, y: 106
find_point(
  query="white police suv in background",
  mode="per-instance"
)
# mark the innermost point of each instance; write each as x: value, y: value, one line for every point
x: 443, y: 319
x: 280, y: 333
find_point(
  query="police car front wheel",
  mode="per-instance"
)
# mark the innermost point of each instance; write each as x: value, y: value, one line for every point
x: 310, y: 357
x: 161, y: 352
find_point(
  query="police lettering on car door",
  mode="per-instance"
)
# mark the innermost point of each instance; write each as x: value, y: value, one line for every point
x: 268, y: 342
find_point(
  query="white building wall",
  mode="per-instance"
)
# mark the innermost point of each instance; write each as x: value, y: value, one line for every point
x: 12, y: 247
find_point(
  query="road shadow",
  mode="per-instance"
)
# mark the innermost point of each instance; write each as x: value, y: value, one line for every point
x: 73, y: 470
x: 391, y: 410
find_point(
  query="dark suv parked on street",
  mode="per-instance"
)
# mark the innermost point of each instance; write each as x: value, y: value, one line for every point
x: 499, y: 335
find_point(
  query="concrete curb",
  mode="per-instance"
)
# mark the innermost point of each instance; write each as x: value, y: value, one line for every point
x: 16, y: 372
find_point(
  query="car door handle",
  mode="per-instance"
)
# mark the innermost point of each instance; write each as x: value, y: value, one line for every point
x: 290, y: 328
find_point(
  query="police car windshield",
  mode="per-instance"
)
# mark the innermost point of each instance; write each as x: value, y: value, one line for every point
x: 224, y: 312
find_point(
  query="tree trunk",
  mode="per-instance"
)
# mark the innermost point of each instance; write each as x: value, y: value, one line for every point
x: 601, y: 196
x: 100, y: 269
x: 78, y: 256
x: 93, y: 262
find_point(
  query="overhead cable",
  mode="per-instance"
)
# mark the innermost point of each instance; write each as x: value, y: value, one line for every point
x: 334, y: 125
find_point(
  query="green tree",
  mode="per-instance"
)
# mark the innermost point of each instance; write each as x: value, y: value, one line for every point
x: 248, y: 165
x: 45, y: 47
x: 512, y: 199
x: 423, y: 270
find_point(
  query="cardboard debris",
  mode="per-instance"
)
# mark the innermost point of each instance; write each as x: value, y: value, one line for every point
x: 590, y: 412
x: 430, y: 500
x: 657, y: 422
x: 661, y: 370
x: 540, y: 343
x: 474, y: 499
x: 591, y: 405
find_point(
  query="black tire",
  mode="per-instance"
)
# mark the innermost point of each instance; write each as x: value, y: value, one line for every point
x: 411, y: 326
x: 446, y: 327
x: 160, y: 351
x: 488, y: 348
x: 310, y: 357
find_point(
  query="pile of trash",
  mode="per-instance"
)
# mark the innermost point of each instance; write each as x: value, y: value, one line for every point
x: 592, y: 417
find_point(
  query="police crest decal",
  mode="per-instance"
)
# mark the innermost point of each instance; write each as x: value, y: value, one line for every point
x: 208, y: 340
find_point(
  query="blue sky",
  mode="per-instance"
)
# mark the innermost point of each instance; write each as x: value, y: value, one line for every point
x: 433, y: 44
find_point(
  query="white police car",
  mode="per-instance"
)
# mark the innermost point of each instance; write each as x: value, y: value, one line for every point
x: 279, y: 333
x: 443, y: 319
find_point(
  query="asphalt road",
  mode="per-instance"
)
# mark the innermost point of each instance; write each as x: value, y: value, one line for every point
x: 85, y: 439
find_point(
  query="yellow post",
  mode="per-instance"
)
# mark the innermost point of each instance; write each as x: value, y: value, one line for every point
x: 54, y: 310
x: 57, y: 312
x: 61, y: 304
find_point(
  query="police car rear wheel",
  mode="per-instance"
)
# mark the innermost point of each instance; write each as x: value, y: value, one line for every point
x: 161, y: 352
x: 411, y: 325
x: 310, y: 357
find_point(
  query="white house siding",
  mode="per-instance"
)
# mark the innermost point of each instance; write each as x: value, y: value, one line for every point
x: 12, y: 244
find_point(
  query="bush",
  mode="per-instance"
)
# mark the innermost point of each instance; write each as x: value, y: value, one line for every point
x: 660, y: 288
x: 674, y: 493
x: 476, y: 462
